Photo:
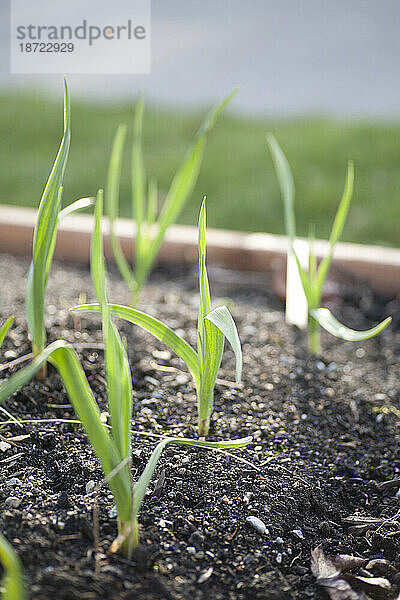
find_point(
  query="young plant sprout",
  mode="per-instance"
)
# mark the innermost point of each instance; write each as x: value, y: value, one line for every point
x: 113, y: 448
x: 212, y: 328
x: 150, y: 229
x: 44, y: 239
x: 313, y: 279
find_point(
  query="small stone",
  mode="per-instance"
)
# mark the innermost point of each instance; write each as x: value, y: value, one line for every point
x: 185, y: 460
x: 10, y: 354
x: 12, y: 502
x: 257, y: 524
x: 62, y: 500
x: 13, y: 482
x: 151, y: 380
x: 205, y: 575
x: 298, y: 533
x: 112, y: 513
x: 320, y: 365
x: 247, y: 497
x: 191, y: 550
x: 181, y: 380
x: 196, y: 539
x: 164, y: 523
x: 279, y: 540
x: 162, y: 354
x: 279, y: 558
x: 379, y: 418
x: 4, y: 446
x: 90, y: 486
x: 324, y: 529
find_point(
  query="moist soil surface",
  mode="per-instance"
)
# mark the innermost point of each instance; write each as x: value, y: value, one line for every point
x: 325, y: 440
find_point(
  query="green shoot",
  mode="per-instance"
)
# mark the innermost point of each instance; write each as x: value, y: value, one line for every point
x: 313, y: 279
x: 44, y: 239
x: 113, y: 449
x: 151, y: 226
x: 213, y: 327
x: 13, y: 584
x: 4, y: 329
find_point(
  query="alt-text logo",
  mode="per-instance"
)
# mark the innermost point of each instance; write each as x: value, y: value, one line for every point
x: 89, y: 36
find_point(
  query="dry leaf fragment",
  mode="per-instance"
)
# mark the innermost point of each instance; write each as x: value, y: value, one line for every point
x: 329, y: 577
x: 346, y: 562
x: 378, y: 587
x: 381, y: 566
x: 159, y: 484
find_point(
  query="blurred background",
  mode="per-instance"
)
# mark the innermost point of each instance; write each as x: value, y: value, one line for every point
x: 322, y: 75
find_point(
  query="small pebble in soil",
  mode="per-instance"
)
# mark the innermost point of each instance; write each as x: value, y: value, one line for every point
x: 247, y: 497
x: 279, y: 540
x: 4, y: 446
x: 257, y: 524
x: 279, y: 558
x: 12, y: 502
x: 298, y: 534
x: 62, y: 500
x: 90, y: 486
x: 324, y: 529
x: 196, y: 539
x: 112, y: 513
x: 13, y: 482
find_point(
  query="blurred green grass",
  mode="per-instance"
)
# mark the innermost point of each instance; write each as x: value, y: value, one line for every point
x: 237, y: 174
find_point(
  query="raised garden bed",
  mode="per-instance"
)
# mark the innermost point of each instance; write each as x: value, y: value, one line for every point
x: 321, y: 450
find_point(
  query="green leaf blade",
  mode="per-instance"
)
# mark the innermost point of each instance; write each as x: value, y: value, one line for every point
x: 45, y: 235
x: 112, y: 204
x: 223, y: 320
x: 118, y: 375
x: 337, y: 227
x: 286, y: 184
x: 326, y: 319
x: 185, y: 178
x: 156, y: 328
x: 4, y: 329
x: 76, y: 206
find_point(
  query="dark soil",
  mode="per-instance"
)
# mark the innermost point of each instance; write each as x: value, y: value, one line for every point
x: 320, y: 451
